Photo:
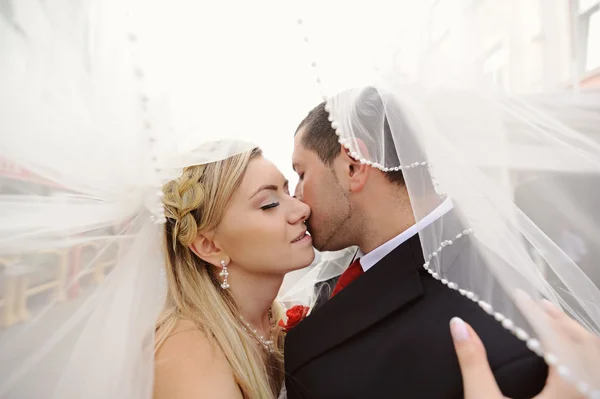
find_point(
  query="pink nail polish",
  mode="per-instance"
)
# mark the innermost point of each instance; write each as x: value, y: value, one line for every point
x: 458, y: 328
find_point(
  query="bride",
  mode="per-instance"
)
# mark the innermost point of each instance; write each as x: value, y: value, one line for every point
x: 232, y: 232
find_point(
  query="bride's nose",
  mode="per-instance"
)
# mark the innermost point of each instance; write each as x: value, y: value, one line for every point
x: 300, y: 211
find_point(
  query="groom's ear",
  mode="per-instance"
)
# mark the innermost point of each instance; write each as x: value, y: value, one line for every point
x: 207, y: 249
x: 357, y: 172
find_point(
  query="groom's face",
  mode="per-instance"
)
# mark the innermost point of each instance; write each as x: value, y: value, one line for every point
x: 321, y: 187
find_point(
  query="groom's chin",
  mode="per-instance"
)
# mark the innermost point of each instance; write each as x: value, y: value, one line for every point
x: 329, y: 244
x: 320, y: 242
x: 318, y: 245
x: 321, y: 245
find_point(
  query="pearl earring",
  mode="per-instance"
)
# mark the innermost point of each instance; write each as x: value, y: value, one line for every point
x: 224, y: 273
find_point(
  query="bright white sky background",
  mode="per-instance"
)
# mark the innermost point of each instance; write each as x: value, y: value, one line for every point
x: 252, y: 70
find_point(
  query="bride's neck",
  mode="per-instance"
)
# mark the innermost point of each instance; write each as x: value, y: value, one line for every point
x: 254, y: 296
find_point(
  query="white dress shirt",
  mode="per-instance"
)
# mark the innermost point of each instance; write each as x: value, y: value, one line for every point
x: 369, y: 260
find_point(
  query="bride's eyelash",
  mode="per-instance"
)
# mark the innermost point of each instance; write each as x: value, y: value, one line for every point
x: 269, y: 206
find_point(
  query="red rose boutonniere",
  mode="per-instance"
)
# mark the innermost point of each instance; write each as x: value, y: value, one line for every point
x: 294, y: 316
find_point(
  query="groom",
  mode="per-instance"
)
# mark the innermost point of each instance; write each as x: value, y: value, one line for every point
x: 384, y: 333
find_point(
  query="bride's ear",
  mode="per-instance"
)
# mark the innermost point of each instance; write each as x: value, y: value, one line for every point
x: 208, y: 250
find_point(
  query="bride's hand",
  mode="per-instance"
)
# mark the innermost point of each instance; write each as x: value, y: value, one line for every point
x: 478, y: 380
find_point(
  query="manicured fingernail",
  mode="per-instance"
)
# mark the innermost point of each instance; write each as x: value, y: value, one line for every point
x: 549, y: 307
x: 458, y: 328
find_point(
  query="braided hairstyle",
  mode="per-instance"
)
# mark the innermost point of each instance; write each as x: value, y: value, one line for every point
x: 195, y: 203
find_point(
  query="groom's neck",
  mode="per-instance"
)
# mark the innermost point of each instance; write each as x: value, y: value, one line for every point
x: 384, y: 217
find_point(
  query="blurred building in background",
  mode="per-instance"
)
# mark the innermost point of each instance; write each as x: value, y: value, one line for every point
x: 526, y: 47
x: 522, y: 46
x: 30, y: 281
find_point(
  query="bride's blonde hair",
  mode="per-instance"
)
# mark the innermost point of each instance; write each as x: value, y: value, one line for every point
x: 194, y: 203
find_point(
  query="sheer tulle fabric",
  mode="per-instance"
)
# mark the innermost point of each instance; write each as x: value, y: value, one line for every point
x: 98, y: 109
x: 521, y: 173
x: 100, y: 106
x: 91, y: 129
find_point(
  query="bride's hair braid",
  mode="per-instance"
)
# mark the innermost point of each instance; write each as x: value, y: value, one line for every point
x: 184, y: 197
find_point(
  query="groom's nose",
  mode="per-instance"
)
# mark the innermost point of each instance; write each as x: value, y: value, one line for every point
x: 298, y: 191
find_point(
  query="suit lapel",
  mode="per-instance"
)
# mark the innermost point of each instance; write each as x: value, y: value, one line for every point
x: 388, y: 286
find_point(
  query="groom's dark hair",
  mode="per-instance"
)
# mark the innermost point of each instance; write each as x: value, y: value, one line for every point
x: 320, y: 137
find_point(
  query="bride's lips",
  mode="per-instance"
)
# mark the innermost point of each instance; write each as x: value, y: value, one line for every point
x: 303, y: 237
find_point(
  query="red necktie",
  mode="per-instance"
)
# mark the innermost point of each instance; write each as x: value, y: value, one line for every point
x: 351, y: 274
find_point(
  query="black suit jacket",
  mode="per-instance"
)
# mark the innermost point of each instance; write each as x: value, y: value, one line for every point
x: 386, y: 335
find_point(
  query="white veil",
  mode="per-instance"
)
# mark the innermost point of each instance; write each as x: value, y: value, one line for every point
x: 478, y: 150
x: 521, y: 170
x: 103, y: 101
x: 98, y: 109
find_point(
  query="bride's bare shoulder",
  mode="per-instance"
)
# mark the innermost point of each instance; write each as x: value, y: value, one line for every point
x: 189, y: 365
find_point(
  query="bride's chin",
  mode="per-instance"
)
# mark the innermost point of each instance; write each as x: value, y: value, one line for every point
x: 303, y: 258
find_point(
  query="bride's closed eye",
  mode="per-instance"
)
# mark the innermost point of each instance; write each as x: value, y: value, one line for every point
x: 269, y: 206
